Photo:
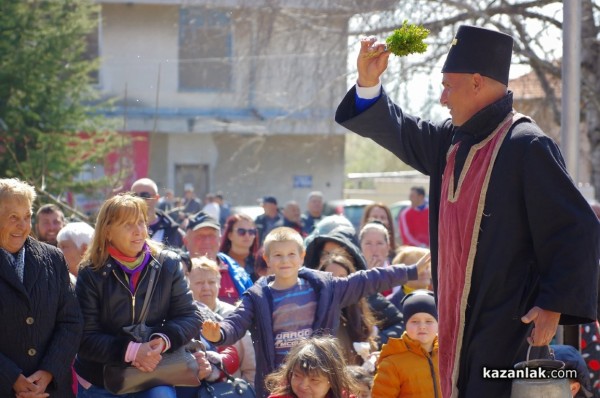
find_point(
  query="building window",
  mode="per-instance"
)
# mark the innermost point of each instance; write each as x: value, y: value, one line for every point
x: 204, y: 49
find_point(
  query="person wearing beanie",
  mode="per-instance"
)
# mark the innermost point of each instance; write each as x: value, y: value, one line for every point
x: 408, y: 366
x: 504, y: 211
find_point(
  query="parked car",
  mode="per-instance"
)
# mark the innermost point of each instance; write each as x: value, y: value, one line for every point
x: 252, y: 211
x: 352, y: 209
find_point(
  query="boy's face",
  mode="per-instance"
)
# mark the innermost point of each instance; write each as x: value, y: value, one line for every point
x: 284, y: 259
x: 422, y: 327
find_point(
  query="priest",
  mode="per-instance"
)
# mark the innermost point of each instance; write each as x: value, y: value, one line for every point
x: 514, y: 243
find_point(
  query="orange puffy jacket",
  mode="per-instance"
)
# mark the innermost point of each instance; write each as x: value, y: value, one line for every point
x: 405, y: 370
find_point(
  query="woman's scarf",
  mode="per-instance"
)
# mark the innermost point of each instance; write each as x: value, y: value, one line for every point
x: 131, y: 266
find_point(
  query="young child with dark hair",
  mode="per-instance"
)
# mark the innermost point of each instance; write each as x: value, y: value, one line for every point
x: 314, y: 368
x: 295, y: 302
x: 363, y: 378
x: 408, y: 366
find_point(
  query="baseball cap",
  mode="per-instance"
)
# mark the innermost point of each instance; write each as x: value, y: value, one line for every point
x: 574, y: 361
x: 201, y: 220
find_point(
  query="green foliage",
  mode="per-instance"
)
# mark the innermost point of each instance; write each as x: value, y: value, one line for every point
x: 407, y: 40
x: 50, y: 128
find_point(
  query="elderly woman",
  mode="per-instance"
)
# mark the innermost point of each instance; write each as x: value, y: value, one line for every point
x: 73, y: 240
x: 40, y: 318
x: 205, y: 281
x: 111, y: 288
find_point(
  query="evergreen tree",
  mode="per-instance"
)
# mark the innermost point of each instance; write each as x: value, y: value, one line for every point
x: 50, y: 129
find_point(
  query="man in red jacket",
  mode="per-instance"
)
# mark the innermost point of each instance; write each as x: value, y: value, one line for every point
x: 414, y: 220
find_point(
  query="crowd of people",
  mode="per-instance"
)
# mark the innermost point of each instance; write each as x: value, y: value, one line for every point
x: 303, y: 305
x: 310, y: 315
x: 210, y: 275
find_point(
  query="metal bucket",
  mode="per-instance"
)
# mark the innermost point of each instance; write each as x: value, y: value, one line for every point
x: 536, y: 387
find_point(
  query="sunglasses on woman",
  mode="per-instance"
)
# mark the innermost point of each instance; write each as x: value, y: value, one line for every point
x: 244, y: 231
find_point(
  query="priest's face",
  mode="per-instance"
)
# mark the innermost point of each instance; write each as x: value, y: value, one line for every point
x: 459, y: 96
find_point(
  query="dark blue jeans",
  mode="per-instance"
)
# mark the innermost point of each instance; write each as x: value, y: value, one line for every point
x: 97, y: 392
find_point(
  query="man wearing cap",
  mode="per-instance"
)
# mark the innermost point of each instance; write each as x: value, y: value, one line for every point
x: 203, y: 238
x: 161, y: 227
x: 270, y: 220
x: 514, y: 243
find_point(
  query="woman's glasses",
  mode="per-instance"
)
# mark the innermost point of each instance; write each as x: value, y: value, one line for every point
x: 244, y: 231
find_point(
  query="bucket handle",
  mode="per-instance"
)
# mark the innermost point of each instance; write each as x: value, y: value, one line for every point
x: 550, y: 351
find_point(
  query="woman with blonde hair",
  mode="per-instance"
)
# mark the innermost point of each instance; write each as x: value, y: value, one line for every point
x: 111, y: 288
x: 409, y: 253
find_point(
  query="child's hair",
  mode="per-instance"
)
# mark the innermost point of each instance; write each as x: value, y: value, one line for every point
x: 409, y: 254
x: 317, y: 355
x: 205, y: 263
x: 340, y: 257
x: 260, y: 265
x: 360, y: 375
x: 359, y: 316
x: 283, y: 234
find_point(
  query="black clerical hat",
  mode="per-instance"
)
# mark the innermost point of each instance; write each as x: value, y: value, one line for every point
x: 479, y: 50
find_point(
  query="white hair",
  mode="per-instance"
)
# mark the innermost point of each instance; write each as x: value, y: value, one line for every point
x: 79, y: 233
x: 315, y: 194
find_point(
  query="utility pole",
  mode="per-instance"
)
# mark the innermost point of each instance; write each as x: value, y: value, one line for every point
x: 571, y: 86
x: 569, y: 121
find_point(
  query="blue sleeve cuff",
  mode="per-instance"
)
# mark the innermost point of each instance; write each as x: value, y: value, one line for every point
x: 412, y: 272
x: 366, y: 96
x: 364, y: 104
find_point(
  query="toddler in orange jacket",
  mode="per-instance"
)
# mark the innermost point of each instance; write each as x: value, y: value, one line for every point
x: 408, y: 366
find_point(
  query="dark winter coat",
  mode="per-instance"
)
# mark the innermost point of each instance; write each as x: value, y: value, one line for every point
x: 172, y: 234
x: 538, y: 239
x: 256, y: 308
x: 389, y: 319
x: 108, y: 305
x: 40, y: 320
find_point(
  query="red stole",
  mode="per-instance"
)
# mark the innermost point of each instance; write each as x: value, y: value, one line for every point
x: 461, y: 210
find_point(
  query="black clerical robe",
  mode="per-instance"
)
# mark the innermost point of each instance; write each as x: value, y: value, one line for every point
x: 536, y: 241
